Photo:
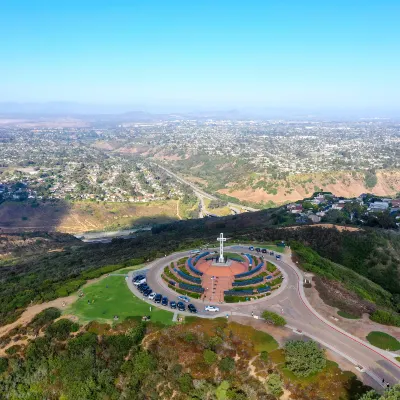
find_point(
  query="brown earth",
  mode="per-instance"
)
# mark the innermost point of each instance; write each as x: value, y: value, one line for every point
x: 345, y: 185
x: 357, y: 327
x: 338, y: 227
x: 79, y: 217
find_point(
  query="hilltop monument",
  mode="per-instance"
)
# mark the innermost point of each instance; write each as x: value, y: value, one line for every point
x: 221, y: 240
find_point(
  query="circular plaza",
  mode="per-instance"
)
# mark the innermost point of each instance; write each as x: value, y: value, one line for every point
x: 234, y: 277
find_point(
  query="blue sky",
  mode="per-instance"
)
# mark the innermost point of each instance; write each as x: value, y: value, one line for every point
x: 220, y: 53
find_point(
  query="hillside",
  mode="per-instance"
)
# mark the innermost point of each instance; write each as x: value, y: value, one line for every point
x: 295, y: 187
x: 51, y: 275
x: 78, y: 217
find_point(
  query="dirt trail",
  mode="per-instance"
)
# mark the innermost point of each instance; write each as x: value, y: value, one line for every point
x: 31, y: 311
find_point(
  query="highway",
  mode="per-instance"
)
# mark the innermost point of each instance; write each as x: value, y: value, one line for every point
x: 291, y: 302
x: 201, y: 193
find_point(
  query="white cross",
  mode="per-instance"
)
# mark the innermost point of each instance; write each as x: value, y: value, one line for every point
x: 221, y: 241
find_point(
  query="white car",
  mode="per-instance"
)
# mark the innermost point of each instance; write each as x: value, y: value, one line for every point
x: 184, y: 298
x: 137, y: 283
x: 152, y: 295
x: 211, y: 308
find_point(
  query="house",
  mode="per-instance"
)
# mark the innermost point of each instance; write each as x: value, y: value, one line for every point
x: 395, y: 203
x: 297, y: 209
x: 378, y: 206
x: 338, y: 206
x: 314, y: 218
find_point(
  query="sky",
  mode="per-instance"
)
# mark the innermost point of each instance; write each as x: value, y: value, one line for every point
x: 217, y: 53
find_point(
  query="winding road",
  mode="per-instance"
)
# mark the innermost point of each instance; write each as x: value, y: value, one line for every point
x: 290, y: 301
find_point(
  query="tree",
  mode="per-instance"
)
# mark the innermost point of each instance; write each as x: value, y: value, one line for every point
x: 304, y: 358
x: 264, y: 356
x: 392, y: 393
x: 227, y: 364
x: 273, y: 318
x: 209, y: 356
x: 274, y: 384
x: 3, y: 364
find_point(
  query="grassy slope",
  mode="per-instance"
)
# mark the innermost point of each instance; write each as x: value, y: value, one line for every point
x: 85, y: 216
x: 111, y: 296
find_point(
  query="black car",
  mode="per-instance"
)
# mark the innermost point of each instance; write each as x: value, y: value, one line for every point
x: 264, y: 251
x: 172, y: 283
x: 147, y: 292
x: 142, y: 288
x: 138, y: 278
x: 158, y: 298
x: 192, y: 308
x: 172, y: 304
x: 164, y: 301
x: 181, y: 306
x: 258, y: 249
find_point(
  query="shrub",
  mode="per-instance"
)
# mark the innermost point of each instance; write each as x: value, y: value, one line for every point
x: 227, y: 364
x: 273, y: 318
x: 304, y: 358
x: 209, y: 356
x: 61, y: 329
x: 44, y: 317
x: 3, y: 364
x: 264, y: 356
x: 274, y: 384
x: 386, y: 318
x: 185, y: 383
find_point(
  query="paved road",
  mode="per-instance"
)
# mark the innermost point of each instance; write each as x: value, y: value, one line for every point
x: 291, y: 302
x: 202, y: 193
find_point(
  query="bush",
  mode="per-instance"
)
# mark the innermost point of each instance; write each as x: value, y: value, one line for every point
x: 3, y: 364
x: 227, y: 364
x: 273, y: 318
x: 385, y: 318
x: 274, y: 384
x: 61, y: 329
x: 304, y: 358
x: 186, y: 383
x: 44, y: 317
x: 209, y: 356
x: 264, y: 356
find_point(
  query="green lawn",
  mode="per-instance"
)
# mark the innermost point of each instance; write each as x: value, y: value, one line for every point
x: 263, y: 342
x: 344, y: 314
x: 111, y: 296
x: 397, y: 358
x: 127, y: 270
x: 383, y: 341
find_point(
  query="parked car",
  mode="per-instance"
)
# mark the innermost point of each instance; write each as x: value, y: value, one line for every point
x: 172, y: 283
x: 181, y: 306
x: 152, y: 295
x: 192, y: 308
x: 143, y: 287
x: 172, y: 304
x: 264, y: 251
x: 184, y: 298
x: 271, y: 253
x: 147, y: 292
x: 278, y: 257
x: 211, y: 308
x: 251, y: 248
x: 138, y: 278
x: 164, y: 301
x: 158, y: 298
x: 258, y: 249
x: 140, y: 281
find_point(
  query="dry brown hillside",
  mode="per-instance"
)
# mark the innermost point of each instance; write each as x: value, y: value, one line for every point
x: 297, y: 187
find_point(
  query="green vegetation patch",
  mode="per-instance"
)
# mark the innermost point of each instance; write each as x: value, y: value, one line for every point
x: 111, y: 297
x: 383, y: 341
x: 347, y: 315
x: 274, y: 318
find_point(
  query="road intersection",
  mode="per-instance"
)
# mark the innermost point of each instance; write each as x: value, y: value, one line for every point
x: 290, y: 301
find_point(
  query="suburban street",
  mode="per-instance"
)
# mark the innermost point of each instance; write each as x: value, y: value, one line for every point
x: 291, y: 302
